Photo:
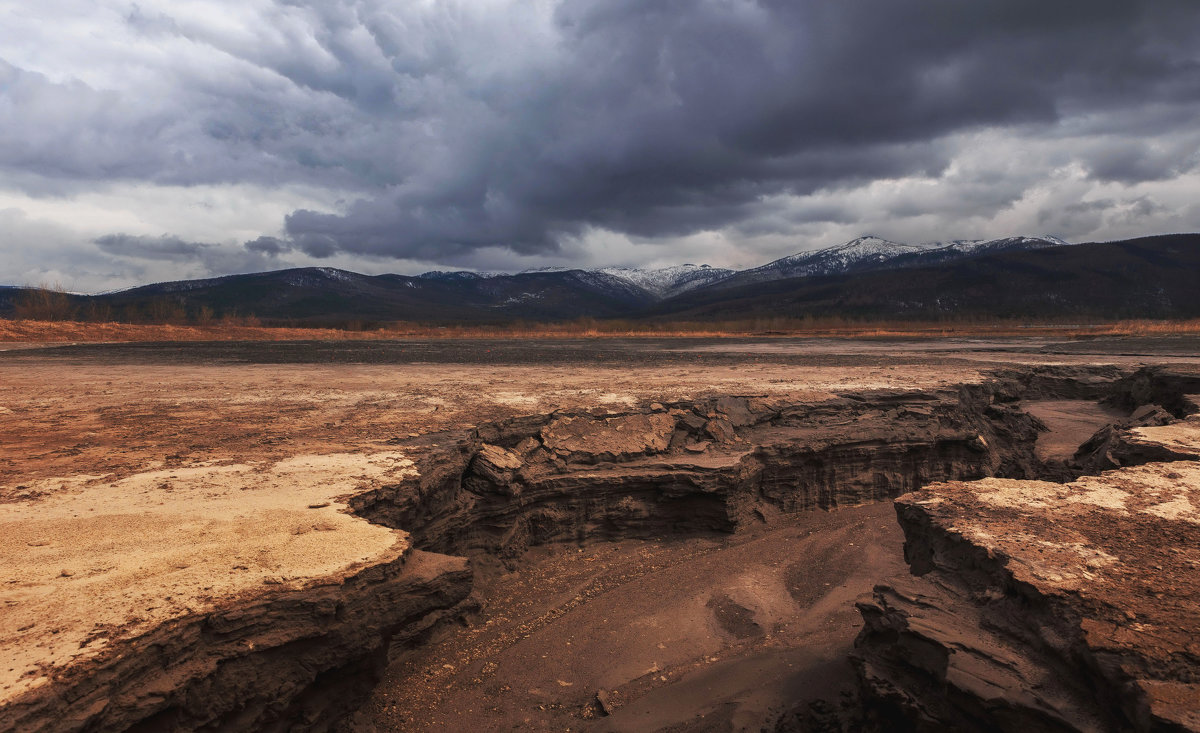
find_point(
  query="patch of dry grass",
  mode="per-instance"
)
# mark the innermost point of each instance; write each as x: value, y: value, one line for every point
x: 32, y: 331
x: 28, y: 331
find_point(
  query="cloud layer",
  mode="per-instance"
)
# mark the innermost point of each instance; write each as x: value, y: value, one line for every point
x: 478, y: 132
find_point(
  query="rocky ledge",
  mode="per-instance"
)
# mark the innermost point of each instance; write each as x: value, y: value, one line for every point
x: 1039, y: 606
x: 232, y: 597
x: 266, y: 596
x: 689, y: 467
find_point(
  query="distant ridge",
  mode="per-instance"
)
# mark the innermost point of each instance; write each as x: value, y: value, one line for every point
x: 868, y: 277
x: 658, y: 283
x: 875, y: 253
x: 1149, y: 277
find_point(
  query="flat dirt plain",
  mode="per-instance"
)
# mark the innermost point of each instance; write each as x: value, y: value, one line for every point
x: 144, y: 483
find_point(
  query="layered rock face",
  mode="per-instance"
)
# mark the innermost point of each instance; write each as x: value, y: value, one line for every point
x: 703, y: 466
x: 263, y: 597
x: 1045, y: 607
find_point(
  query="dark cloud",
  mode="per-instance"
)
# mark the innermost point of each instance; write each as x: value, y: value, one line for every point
x: 1134, y: 161
x: 1101, y: 214
x: 269, y: 246
x: 456, y: 129
x: 204, y: 258
x: 673, y: 117
x: 165, y: 247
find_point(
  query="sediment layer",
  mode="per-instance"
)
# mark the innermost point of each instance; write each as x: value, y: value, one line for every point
x: 688, y: 467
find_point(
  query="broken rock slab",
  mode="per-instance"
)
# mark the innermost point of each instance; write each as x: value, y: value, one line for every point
x: 496, y: 464
x: 1042, y: 606
x: 1146, y: 436
x: 585, y: 439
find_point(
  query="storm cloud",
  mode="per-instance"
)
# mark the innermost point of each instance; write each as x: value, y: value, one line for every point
x: 166, y: 247
x: 457, y: 132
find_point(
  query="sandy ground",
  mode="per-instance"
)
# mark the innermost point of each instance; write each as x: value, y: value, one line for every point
x: 140, y: 480
x: 117, y: 419
x: 88, y: 559
x: 113, y: 410
x: 703, y: 631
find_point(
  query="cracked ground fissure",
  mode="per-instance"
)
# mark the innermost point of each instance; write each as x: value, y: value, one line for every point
x: 652, y: 564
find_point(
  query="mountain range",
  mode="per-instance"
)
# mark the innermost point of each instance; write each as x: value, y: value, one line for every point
x: 863, y: 254
x: 873, y: 253
x: 867, y: 277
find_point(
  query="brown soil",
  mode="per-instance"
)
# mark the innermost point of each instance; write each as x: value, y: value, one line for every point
x: 144, y: 483
x: 670, y: 632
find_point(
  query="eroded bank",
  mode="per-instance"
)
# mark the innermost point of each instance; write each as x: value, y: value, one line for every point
x: 304, y: 656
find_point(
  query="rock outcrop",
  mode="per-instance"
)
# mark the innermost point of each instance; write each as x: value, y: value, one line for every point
x: 1039, y: 606
x: 691, y: 467
x: 1175, y: 390
x: 1145, y: 436
x: 292, y: 660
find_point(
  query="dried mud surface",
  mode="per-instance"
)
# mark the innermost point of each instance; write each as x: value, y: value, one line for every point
x: 165, y: 485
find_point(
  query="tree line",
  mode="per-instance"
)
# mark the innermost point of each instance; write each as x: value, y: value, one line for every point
x: 53, y: 303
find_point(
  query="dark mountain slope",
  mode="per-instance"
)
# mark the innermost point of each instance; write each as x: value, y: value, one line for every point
x: 1151, y: 277
x: 871, y: 253
x: 328, y: 295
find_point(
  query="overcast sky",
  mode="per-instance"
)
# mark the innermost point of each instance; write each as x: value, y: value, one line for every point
x: 174, y: 139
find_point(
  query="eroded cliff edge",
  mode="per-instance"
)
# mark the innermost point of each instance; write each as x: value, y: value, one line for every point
x: 681, y: 468
x: 238, y: 597
x: 373, y: 545
x: 253, y: 596
x: 1046, y: 607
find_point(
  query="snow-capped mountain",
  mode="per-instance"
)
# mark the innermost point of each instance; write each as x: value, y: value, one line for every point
x: 875, y: 253
x: 1025, y: 278
x: 978, y: 246
x: 628, y: 282
x: 866, y: 252
x: 667, y: 282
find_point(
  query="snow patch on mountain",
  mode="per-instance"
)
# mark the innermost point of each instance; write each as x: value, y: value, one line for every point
x: 666, y: 282
x: 855, y: 254
x: 460, y: 275
x: 317, y: 276
x: 875, y: 253
x: 540, y: 270
x: 633, y: 282
x: 976, y: 246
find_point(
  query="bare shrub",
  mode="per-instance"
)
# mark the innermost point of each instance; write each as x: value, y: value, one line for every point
x: 44, y: 303
x: 204, y: 316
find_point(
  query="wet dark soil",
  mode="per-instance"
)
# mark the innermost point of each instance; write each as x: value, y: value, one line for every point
x: 494, y: 352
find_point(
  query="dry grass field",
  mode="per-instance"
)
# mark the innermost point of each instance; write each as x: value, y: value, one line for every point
x: 35, y: 331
